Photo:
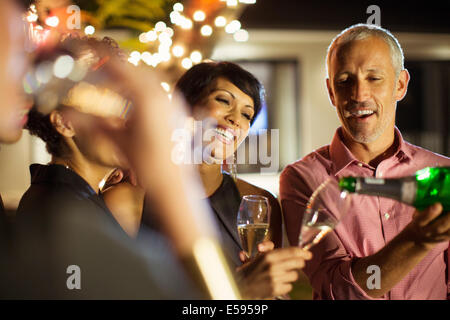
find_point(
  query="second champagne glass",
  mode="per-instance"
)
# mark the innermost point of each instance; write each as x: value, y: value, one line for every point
x: 326, y: 207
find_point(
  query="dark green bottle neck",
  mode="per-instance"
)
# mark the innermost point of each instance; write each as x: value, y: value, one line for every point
x: 389, y: 188
x: 348, y: 183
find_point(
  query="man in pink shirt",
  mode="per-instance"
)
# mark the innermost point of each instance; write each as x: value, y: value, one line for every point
x: 365, y: 80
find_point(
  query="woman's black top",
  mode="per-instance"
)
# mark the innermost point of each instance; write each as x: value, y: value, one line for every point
x: 56, y: 188
x: 2, y: 208
x: 224, y: 202
x: 62, y: 221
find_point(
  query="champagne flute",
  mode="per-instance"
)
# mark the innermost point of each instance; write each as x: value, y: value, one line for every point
x: 326, y: 207
x: 253, y: 222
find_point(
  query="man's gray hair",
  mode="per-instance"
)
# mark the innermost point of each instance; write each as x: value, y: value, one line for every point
x: 362, y: 31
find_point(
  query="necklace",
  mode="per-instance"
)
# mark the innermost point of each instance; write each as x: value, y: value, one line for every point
x: 65, y: 165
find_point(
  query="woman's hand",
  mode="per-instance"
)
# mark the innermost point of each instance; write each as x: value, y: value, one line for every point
x: 272, y: 272
x: 264, y: 246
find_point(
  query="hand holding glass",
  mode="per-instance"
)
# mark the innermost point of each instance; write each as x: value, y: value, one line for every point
x: 253, y: 222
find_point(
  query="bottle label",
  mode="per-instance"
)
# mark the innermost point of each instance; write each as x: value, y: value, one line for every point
x: 409, y: 190
x: 390, y: 188
x: 374, y: 181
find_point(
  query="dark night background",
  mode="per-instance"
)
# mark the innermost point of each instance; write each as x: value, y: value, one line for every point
x: 397, y: 16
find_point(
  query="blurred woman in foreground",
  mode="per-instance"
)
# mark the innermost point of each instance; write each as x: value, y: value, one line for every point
x: 226, y: 99
x: 62, y: 223
x: 13, y: 63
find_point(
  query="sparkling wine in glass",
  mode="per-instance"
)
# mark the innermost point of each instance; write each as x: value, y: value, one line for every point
x: 326, y: 207
x: 253, y: 222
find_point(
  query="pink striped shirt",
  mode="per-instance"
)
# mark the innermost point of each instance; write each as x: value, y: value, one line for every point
x: 368, y: 226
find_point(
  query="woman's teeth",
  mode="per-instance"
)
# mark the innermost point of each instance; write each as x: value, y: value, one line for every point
x: 225, y: 134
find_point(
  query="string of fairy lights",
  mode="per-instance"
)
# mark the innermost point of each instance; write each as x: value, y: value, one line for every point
x: 160, y: 43
x: 38, y: 34
x: 163, y: 47
x: 161, y: 36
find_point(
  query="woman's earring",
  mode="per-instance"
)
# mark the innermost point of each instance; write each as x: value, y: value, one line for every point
x: 233, y: 168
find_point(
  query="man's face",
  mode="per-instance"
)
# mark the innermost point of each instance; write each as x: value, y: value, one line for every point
x: 364, y: 89
x: 13, y: 63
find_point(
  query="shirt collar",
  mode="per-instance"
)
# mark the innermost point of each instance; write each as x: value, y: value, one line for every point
x: 403, y: 148
x: 342, y: 157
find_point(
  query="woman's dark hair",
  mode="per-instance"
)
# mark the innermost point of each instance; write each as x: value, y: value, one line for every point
x: 197, y: 83
x: 39, y: 124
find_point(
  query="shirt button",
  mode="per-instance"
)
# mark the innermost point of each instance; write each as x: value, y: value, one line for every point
x: 360, y: 164
x: 386, y: 216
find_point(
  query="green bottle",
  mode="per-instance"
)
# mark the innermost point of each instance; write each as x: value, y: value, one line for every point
x: 426, y: 187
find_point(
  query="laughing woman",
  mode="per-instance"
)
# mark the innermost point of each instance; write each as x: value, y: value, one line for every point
x: 227, y: 99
